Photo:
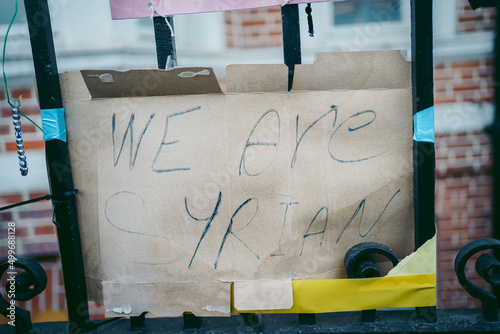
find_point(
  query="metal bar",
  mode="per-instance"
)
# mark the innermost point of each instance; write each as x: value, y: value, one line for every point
x: 424, y: 157
x: 290, y: 29
x: 165, y: 43
x: 393, y: 322
x: 191, y: 321
x: 138, y: 322
x: 58, y: 165
x: 495, y: 142
x: 423, y: 98
x: 290, y: 26
x: 291, y: 39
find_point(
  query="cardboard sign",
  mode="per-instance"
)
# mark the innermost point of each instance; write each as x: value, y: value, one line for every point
x: 184, y: 190
x: 129, y: 9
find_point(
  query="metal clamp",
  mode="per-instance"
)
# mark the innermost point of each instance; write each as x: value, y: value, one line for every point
x: 484, y: 265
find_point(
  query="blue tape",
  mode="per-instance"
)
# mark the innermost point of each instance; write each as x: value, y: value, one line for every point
x: 53, y: 124
x: 423, y: 125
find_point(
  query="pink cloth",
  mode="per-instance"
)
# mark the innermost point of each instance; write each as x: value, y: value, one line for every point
x: 128, y: 9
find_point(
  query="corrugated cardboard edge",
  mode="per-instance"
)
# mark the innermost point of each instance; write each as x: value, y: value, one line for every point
x: 152, y: 297
x: 372, y: 70
x: 263, y: 295
x: 140, y: 83
x: 256, y: 78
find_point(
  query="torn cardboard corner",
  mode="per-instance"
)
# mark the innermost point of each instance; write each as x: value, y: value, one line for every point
x: 183, y: 187
x: 422, y: 261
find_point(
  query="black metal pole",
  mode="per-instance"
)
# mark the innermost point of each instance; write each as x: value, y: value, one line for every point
x: 165, y: 43
x: 424, y: 157
x: 495, y: 142
x: 291, y: 39
x: 58, y: 165
x: 290, y: 26
x: 423, y: 98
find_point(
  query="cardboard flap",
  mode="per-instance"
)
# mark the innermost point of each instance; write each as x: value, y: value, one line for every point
x: 135, y: 83
x: 73, y: 87
x: 354, y: 71
x: 256, y: 78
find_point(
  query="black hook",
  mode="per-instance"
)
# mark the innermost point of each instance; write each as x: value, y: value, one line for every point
x: 20, y: 285
x: 359, y: 264
x: 484, y: 265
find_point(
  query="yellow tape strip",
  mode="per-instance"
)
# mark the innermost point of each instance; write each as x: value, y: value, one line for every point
x: 338, y: 295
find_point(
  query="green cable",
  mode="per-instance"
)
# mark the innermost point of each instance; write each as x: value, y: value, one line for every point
x: 5, y: 77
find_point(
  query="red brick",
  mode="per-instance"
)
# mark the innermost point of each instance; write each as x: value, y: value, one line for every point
x: 21, y: 231
x: 486, y: 71
x: 5, y: 129
x: 30, y: 111
x: 253, y: 23
x: 467, y: 73
x: 28, y: 127
x: 2, y: 95
x: 442, y: 75
x: 48, y: 229
x: 35, y: 214
x: 10, y: 199
x: 36, y: 195
x: 466, y: 63
x: 274, y: 10
x: 49, y: 293
x: 5, y: 216
x: 28, y: 145
x: 442, y: 100
x: 24, y: 92
x: 470, y: 16
x: 6, y: 112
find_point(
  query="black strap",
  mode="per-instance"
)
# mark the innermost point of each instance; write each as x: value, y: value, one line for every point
x: 55, y: 198
x: 310, y: 20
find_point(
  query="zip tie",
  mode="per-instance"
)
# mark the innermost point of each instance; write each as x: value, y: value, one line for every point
x: 153, y: 11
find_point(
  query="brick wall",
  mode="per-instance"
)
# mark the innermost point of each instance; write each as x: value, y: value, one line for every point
x: 482, y: 19
x: 463, y: 208
x: 254, y: 28
x: 463, y: 162
x: 464, y: 81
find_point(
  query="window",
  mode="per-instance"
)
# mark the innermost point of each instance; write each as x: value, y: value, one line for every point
x: 366, y: 11
x: 7, y: 10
